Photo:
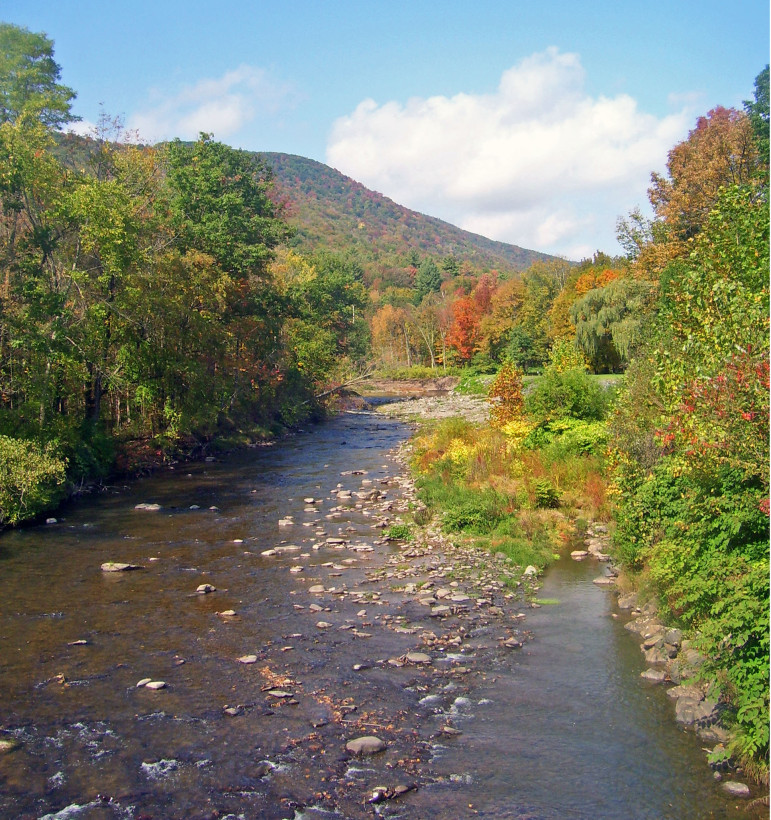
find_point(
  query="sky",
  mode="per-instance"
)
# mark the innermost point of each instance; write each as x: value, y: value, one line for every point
x: 534, y: 122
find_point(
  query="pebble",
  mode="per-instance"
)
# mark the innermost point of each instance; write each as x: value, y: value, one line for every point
x: 247, y: 659
x: 156, y: 684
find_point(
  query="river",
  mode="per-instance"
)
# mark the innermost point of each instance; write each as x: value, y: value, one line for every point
x: 258, y: 705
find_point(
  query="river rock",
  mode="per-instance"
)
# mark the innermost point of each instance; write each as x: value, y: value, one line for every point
x: 147, y: 507
x: 369, y: 745
x: 247, y: 659
x: 604, y: 581
x: 8, y: 745
x: 690, y: 711
x: 417, y: 657
x: 156, y: 684
x: 205, y: 589
x: 735, y: 789
x: 579, y: 555
x: 143, y: 682
x: 323, y: 624
x: 654, y: 675
x: 117, y: 566
x: 628, y: 601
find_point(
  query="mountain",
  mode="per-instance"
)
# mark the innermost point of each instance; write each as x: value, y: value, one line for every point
x: 332, y: 211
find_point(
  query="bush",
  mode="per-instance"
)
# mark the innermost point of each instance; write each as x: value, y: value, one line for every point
x: 31, y: 479
x: 570, y: 394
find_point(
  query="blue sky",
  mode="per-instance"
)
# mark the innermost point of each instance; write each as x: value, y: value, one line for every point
x: 536, y: 123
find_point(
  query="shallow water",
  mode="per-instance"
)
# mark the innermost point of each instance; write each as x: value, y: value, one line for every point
x: 562, y: 728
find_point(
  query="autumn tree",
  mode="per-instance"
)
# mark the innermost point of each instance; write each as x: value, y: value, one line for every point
x: 463, y: 337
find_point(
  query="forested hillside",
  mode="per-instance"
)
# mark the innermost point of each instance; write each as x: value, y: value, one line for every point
x: 332, y: 211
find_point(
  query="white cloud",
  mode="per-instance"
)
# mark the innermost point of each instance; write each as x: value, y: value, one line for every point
x: 522, y: 164
x: 220, y: 106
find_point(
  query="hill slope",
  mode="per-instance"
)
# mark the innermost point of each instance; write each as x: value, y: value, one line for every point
x: 332, y: 211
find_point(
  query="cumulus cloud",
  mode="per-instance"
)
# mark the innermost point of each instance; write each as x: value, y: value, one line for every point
x: 520, y: 164
x: 221, y: 106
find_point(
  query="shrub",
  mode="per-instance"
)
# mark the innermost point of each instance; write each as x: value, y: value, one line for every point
x: 570, y: 394
x: 505, y: 396
x: 31, y: 479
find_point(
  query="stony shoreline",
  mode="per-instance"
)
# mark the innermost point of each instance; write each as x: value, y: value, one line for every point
x: 672, y: 661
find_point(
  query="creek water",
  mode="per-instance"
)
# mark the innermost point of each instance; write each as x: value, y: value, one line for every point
x: 563, y: 727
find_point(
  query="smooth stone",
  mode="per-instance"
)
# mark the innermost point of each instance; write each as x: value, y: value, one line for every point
x: 227, y: 613
x: 156, y: 684
x: 735, y: 789
x: 247, y: 659
x: 204, y: 589
x: 268, y: 553
x: 279, y: 693
x: 654, y: 675
x: 316, y: 589
x: 365, y: 745
x: 147, y: 507
x: 417, y: 657
x: 284, y: 548
x: 604, y: 581
x: 144, y: 682
x: 51, y: 521
x: 579, y: 555
x: 323, y: 625
x: 117, y: 566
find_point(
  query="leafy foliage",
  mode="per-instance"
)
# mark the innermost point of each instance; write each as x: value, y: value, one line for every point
x: 31, y: 479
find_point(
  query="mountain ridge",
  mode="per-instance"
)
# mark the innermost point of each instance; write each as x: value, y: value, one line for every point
x: 330, y: 210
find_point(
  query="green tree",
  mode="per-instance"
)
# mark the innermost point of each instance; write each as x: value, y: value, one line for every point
x: 608, y: 319
x: 29, y: 78
x: 427, y: 280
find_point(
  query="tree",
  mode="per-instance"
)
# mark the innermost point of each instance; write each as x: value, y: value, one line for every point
x: 29, y: 79
x: 427, y: 280
x: 464, y: 332
x: 720, y: 151
x: 758, y: 112
x: 607, y: 320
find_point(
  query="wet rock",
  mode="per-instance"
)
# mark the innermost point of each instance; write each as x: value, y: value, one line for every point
x: 156, y: 684
x: 735, y: 789
x: 143, y: 682
x: 690, y: 711
x: 368, y: 745
x: 579, y: 555
x: 147, y: 507
x: 604, y: 581
x: 628, y: 601
x: 654, y: 675
x: 205, y: 589
x: 247, y: 659
x: 117, y: 566
x: 323, y: 624
x: 9, y: 745
x: 227, y: 613
x: 417, y: 658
